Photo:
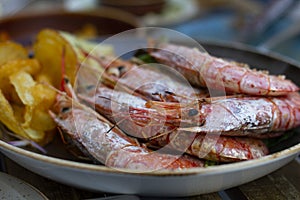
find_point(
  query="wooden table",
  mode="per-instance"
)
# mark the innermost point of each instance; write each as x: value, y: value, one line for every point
x: 281, y: 184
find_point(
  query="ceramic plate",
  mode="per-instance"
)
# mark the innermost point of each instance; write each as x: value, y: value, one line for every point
x: 58, y: 165
x: 13, y: 188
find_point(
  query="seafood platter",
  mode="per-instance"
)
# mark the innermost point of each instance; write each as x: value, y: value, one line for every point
x: 168, y: 119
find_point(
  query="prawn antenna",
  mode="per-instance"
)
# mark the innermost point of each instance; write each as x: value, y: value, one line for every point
x: 111, y: 128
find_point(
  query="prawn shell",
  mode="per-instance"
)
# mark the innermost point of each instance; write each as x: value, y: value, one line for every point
x: 204, y: 70
x: 111, y: 146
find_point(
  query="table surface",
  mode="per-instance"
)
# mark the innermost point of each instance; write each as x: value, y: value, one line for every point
x: 281, y: 184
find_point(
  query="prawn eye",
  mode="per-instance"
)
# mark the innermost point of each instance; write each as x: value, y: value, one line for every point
x: 65, y: 109
x: 66, y: 80
x: 193, y: 112
x: 121, y: 68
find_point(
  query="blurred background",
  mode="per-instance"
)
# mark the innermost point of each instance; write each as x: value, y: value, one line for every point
x: 266, y: 24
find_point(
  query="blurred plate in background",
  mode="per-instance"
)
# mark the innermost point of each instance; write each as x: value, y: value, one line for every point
x: 14, y: 188
x: 102, y: 21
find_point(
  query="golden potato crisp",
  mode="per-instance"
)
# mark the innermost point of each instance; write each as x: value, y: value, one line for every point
x: 11, y: 51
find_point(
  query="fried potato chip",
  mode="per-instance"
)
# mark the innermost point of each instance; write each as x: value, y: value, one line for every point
x: 26, y: 85
x: 30, y: 66
x: 87, y: 51
x: 55, y: 48
x: 51, y: 49
x: 37, y: 99
x: 29, y: 119
x: 41, y: 120
x: 13, y: 115
x: 23, y: 84
x: 31, y: 93
x: 87, y: 46
x: 19, y: 112
x: 35, y: 135
x: 44, y: 98
x: 11, y: 51
x: 7, y: 117
x: 44, y: 95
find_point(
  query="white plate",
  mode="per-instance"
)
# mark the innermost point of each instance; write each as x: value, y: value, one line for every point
x: 13, y: 188
x: 171, y: 183
x: 58, y: 167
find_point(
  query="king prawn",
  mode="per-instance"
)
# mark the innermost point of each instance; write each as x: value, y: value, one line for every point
x: 143, y: 118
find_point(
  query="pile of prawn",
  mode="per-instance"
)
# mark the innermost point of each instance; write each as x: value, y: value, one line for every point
x: 167, y: 124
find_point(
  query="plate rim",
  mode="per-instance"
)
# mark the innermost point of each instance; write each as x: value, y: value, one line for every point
x: 293, y: 150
